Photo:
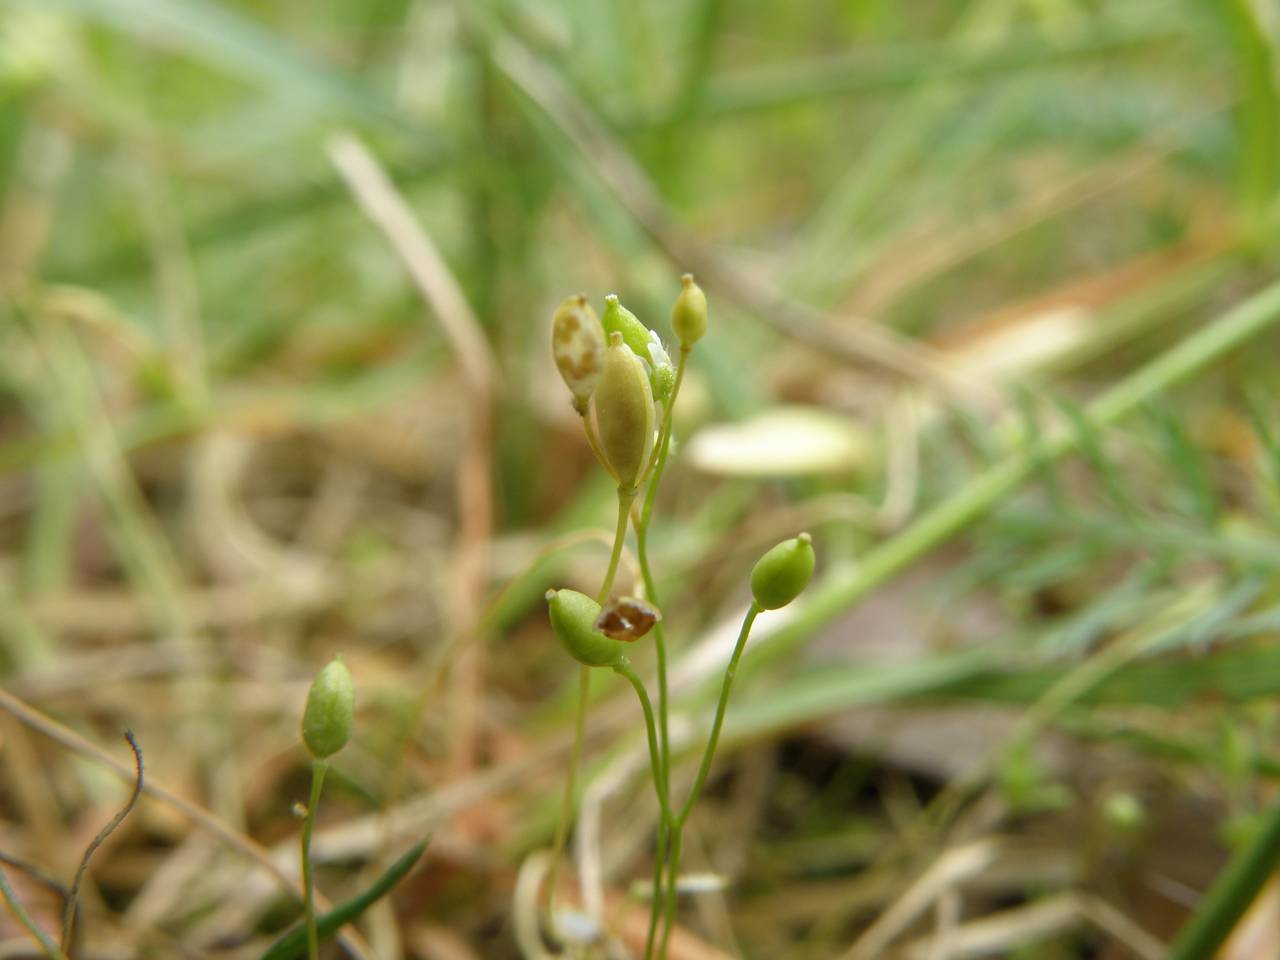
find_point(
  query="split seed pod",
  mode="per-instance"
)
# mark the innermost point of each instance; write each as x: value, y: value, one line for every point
x: 573, y: 618
x: 780, y: 575
x: 624, y: 411
x: 577, y: 344
x: 689, y: 315
x: 327, y: 720
x: 627, y: 618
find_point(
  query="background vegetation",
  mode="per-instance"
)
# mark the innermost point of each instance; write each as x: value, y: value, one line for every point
x: 990, y: 292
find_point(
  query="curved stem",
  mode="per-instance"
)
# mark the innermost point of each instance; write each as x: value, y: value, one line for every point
x: 625, y: 499
x: 752, y: 612
x: 623, y: 669
x: 659, y: 461
x: 677, y: 832
x: 318, y: 770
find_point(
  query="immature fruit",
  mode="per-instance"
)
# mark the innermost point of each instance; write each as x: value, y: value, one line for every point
x: 689, y: 315
x: 573, y: 618
x: 644, y: 343
x: 326, y: 722
x: 780, y: 575
x: 624, y: 411
x: 577, y: 344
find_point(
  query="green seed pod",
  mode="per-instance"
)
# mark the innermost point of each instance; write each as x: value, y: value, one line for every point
x: 780, y: 575
x: 618, y: 319
x: 573, y: 618
x: 689, y: 315
x: 326, y: 722
x: 644, y: 343
x: 624, y: 411
x: 577, y: 344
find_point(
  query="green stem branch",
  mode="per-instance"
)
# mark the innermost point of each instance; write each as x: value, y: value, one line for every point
x: 318, y: 770
x: 704, y: 770
x: 656, y: 469
x: 623, y: 669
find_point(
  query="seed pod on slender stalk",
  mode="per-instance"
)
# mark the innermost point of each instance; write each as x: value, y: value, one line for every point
x: 689, y: 315
x: 327, y: 720
x: 623, y: 403
x: 573, y: 618
x: 780, y: 575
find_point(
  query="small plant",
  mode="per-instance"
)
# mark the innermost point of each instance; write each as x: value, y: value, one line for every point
x: 624, y: 387
x: 326, y: 727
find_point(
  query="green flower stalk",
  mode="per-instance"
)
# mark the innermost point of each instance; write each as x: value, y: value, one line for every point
x: 326, y: 727
x: 777, y: 578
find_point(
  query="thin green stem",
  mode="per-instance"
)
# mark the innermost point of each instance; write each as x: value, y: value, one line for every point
x: 656, y: 469
x: 659, y: 461
x: 675, y: 843
x: 570, y: 802
x: 659, y: 872
x: 623, y: 669
x: 704, y: 769
x: 625, y: 499
x: 18, y: 910
x: 318, y: 769
x: 1231, y: 894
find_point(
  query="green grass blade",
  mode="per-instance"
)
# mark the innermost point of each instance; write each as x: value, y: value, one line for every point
x: 294, y: 943
x: 845, y: 588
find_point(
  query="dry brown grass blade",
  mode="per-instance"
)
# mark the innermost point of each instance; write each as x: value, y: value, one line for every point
x: 854, y: 339
x: 384, y: 205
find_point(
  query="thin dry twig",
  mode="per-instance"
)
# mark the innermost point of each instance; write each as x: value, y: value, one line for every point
x: 72, y: 903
